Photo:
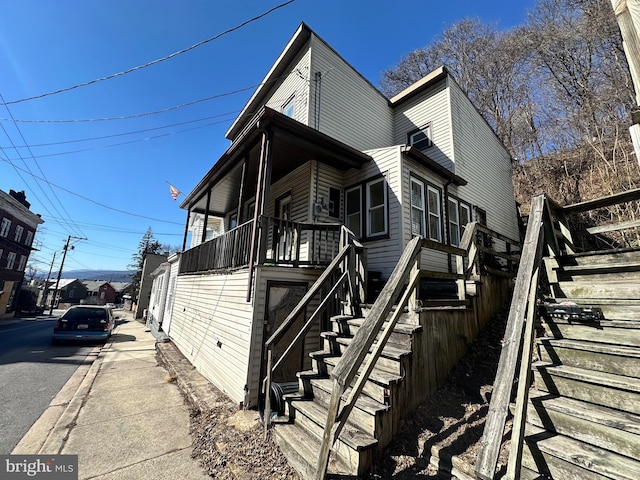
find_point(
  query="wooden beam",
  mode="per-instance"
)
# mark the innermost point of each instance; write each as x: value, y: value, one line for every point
x: 499, y: 407
x: 602, y: 202
x: 614, y: 227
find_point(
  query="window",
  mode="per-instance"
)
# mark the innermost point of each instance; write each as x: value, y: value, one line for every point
x: 433, y: 204
x: 454, y: 222
x: 11, y: 260
x: 4, y: 227
x: 353, y: 215
x: 289, y: 107
x: 377, y: 208
x: 29, y: 240
x: 459, y: 215
x: 420, y: 138
x: 417, y: 208
x: 22, y: 263
x: 19, y: 231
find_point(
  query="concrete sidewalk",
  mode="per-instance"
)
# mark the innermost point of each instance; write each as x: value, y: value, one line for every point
x: 121, y: 414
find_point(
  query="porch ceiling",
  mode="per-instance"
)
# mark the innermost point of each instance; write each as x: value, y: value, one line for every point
x: 294, y: 144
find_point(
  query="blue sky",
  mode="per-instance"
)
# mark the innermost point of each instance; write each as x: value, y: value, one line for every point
x: 47, y: 45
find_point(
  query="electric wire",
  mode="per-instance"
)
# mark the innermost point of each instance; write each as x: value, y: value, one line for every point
x: 153, y: 62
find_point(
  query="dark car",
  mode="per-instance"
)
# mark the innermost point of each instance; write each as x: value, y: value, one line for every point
x: 84, y: 323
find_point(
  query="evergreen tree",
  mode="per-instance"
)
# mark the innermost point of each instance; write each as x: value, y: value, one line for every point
x: 148, y: 244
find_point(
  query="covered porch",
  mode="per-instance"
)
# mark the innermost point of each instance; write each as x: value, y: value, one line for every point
x: 272, y: 155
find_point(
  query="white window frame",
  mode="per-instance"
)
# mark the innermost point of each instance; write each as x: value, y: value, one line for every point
x: 290, y: 104
x: 370, y: 209
x: 18, y: 235
x: 4, y: 227
x: 358, y: 212
x: 11, y: 260
x: 425, y: 132
x: 29, y: 240
x: 22, y: 263
x: 435, y: 236
x: 454, y: 223
x: 418, y: 210
x: 463, y: 226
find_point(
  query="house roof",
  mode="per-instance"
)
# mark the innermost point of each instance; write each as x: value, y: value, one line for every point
x: 93, y: 285
x: 120, y: 286
x: 64, y: 283
x: 290, y: 135
x: 420, y: 86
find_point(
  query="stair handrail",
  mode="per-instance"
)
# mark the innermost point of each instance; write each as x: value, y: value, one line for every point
x: 398, y: 291
x: 521, y: 318
x: 346, y: 261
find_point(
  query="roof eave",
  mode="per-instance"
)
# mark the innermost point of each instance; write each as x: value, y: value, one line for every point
x: 432, y: 165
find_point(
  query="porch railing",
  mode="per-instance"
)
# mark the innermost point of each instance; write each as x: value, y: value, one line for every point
x: 225, y: 252
x: 286, y: 243
x: 297, y: 243
x: 548, y: 232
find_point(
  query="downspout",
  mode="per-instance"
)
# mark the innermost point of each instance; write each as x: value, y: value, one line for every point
x: 446, y: 221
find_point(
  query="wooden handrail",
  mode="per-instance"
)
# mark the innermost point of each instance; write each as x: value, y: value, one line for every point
x: 500, y: 397
x: 615, y: 199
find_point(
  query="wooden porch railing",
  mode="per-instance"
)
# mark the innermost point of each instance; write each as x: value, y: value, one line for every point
x: 547, y: 229
x: 225, y: 252
x: 286, y: 243
x: 347, y: 269
x: 400, y: 290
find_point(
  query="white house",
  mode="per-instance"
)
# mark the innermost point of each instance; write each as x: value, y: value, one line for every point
x: 317, y: 147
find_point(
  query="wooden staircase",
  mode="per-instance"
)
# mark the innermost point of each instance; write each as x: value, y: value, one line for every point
x: 377, y: 412
x: 583, y: 415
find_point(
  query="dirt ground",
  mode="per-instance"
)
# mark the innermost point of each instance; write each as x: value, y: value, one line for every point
x: 231, y: 445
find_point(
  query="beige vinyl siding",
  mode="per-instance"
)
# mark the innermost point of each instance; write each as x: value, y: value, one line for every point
x: 328, y: 177
x: 430, y: 259
x: 483, y: 161
x: 429, y: 108
x: 313, y: 341
x: 383, y: 254
x: 211, y: 325
x: 294, y: 83
x: 171, y: 294
x: 350, y: 108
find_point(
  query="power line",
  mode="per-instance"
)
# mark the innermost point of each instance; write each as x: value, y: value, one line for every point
x: 69, y: 222
x: 89, y: 199
x: 153, y: 62
x: 133, y: 132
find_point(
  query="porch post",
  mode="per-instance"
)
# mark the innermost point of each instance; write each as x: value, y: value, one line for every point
x: 186, y: 229
x: 243, y: 180
x: 264, y: 179
x: 206, y: 217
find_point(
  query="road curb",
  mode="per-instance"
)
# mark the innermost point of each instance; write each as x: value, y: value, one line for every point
x: 49, y: 433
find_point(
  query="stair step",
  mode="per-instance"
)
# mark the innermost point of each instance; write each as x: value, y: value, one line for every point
x: 602, y: 257
x: 301, y: 451
x: 324, y: 362
x: 606, y: 389
x: 400, y: 337
x: 617, y: 332
x: 389, y: 352
x: 617, y: 359
x: 369, y: 415
x: 593, y: 424
x: 378, y: 387
x: 559, y: 457
x: 600, y: 290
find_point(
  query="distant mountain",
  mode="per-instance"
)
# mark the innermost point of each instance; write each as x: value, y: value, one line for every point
x: 106, y: 275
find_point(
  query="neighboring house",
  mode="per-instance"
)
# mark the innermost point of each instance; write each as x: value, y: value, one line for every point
x: 162, y: 294
x: 151, y: 262
x: 121, y: 289
x: 99, y: 292
x: 18, y: 227
x: 316, y: 147
x: 69, y: 291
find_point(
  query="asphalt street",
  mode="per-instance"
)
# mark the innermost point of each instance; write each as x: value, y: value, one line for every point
x: 32, y: 372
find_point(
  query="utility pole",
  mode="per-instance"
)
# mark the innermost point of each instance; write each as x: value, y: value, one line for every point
x: 46, y: 284
x: 64, y: 255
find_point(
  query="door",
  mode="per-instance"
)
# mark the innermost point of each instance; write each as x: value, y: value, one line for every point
x: 282, y: 297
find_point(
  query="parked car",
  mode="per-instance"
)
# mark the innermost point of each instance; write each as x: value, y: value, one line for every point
x: 84, y: 323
